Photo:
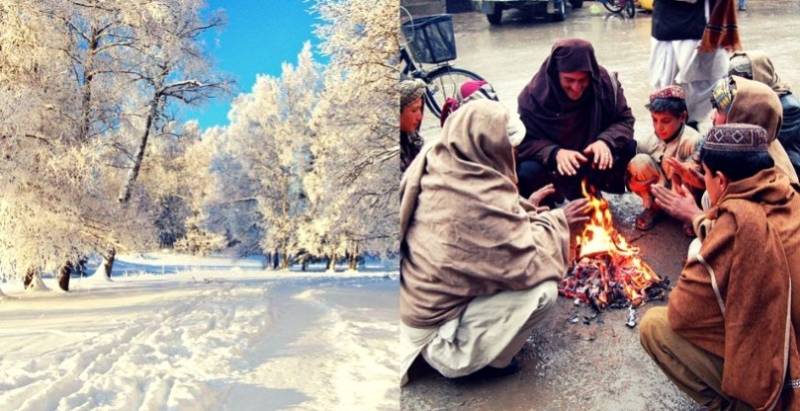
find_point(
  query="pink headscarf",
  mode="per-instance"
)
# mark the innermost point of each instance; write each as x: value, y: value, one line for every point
x: 466, y: 90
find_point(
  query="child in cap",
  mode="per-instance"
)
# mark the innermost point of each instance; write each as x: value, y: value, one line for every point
x: 672, y: 146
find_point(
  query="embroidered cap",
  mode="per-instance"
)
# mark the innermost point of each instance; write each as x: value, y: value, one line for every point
x: 736, y: 137
x: 673, y: 91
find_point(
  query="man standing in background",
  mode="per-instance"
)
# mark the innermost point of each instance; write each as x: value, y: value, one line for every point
x: 689, y: 39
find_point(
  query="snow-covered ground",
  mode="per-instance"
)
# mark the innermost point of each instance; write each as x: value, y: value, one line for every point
x: 209, y: 333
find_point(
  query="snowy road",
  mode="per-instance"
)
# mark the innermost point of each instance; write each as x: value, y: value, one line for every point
x: 202, y: 340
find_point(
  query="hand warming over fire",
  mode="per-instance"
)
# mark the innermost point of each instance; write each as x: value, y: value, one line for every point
x: 577, y: 213
x: 569, y: 161
x: 679, y: 203
x: 601, y: 154
x: 539, y: 195
x: 685, y: 173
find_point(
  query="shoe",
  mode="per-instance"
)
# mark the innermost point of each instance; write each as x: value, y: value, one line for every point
x: 492, y: 372
x: 647, y: 219
x: 742, y: 8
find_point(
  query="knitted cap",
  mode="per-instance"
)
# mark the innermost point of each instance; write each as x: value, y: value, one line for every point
x: 736, y: 137
x: 410, y: 91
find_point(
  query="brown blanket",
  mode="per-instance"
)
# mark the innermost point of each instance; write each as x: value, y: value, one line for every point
x: 465, y: 231
x: 752, y: 257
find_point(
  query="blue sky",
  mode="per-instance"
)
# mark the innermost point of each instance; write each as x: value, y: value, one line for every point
x: 258, y: 37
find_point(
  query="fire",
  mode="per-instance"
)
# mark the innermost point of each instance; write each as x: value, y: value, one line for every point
x: 609, y: 271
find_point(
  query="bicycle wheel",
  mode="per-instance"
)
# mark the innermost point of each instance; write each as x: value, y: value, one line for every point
x: 630, y: 9
x: 443, y: 83
x: 614, y: 6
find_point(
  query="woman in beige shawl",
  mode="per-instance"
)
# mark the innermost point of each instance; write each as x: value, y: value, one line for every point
x: 479, y: 263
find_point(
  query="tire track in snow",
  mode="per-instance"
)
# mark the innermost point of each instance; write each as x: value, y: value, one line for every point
x: 172, y: 355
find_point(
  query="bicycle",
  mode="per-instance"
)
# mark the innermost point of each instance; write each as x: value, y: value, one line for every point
x: 628, y: 7
x: 432, y: 42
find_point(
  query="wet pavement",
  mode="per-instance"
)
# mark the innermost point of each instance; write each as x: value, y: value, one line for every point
x: 596, y: 366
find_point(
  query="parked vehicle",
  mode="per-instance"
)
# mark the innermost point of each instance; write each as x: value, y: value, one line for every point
x: 556, y: 10
x: 622, y: 7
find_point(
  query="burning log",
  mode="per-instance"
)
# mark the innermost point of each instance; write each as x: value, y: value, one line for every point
x: 609, y: 272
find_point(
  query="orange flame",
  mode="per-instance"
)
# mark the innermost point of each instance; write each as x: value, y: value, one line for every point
x: 623, y: 266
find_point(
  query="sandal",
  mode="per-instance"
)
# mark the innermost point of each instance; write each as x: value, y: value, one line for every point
x: 647, y: 219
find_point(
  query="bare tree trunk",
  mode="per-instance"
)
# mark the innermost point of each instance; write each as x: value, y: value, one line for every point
x: 64, y: 274
x: 108, y: 261
x: 275, y: 259
x: 125, y: 194
x: 28, y: 280
x: 88, y: 77
x: 353, y: 262
x: 286, y: 262
x: 304, y: 264
x: 80, y: 268
x: 332, y: 262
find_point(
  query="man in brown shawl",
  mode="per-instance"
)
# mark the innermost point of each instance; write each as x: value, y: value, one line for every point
x: 736, y: 100
x: 578, y: 124
x: 479, y: 264
x: 728, y: 337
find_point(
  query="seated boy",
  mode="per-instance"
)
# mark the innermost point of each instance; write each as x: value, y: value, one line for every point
x: 673, y: 146
x: 728, y: 337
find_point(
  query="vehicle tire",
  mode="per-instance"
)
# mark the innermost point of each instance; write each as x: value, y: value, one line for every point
x: 496, y: 16
x: 560, y: 13
x: 614, y: 6
x: 576, y: 4
x: 630, y: 9
x: 444, y: 82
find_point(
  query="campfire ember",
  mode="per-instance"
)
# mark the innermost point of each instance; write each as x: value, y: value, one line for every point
x: 608, y: 271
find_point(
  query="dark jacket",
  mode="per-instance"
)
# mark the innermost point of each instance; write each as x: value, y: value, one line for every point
x: 410, y: 145
x: 789, y: 134
x: 678, y: 20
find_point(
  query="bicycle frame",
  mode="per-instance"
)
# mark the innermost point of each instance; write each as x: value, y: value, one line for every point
x: 410, y: 67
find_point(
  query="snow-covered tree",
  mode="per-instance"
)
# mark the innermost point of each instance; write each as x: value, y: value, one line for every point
x: 178, y: 180
x: 269, y: 135
x: 171, y: 67
x: 356, y: 176
x: 55, y: 178
x: 74, y: 100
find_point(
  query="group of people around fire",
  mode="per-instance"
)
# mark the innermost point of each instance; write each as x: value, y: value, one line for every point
x: 488, y: 209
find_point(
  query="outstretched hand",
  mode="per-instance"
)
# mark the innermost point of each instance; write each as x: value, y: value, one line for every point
x: 568, y: 162
x: 678, y: 202
x: 577, y: 213
x: 601, y: 154
x: 686, y: 174
x: 539, y: 195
